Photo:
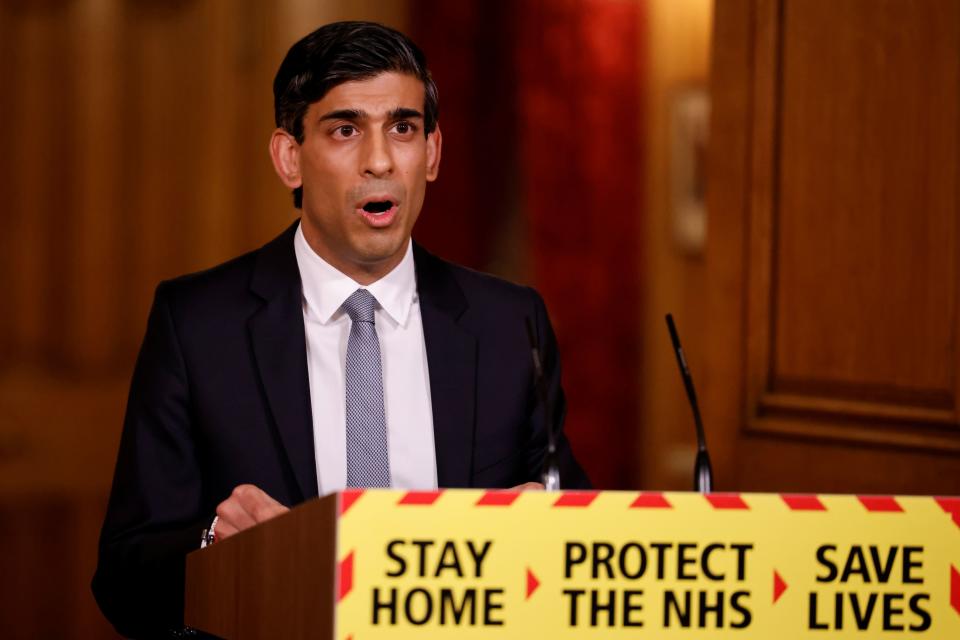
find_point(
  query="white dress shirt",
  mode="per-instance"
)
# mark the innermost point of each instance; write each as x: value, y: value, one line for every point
x: 406, y: 385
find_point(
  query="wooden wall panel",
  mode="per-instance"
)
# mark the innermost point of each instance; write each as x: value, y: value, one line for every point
x: 867, y: 200
x: 853, y: 281
x: 41, y: 151
x: 135, y: 149
x: 95, y: 220
x: 728, y: 195
x: 166, y: 49
x: 845, y: 207
x: 7, y: 224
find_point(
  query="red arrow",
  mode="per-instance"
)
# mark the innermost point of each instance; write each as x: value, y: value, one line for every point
x: 532, y: 583
x: 779, y: 586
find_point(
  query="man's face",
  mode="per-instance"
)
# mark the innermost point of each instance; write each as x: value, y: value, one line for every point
x: 364, y: 164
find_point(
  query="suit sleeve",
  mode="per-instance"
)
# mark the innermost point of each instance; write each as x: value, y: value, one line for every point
x: 572, y: 475
x: 154, y: 514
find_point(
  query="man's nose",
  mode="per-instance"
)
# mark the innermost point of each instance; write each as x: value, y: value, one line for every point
x: 377, y: 158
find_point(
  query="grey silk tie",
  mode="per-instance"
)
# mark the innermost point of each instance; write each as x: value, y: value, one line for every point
x: 368, y: 458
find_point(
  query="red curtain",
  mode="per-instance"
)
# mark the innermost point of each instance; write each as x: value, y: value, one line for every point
x: 469, y: 48
x: 580, y: 65
x: 542, y: 97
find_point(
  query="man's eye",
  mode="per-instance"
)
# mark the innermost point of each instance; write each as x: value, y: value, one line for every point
x: 346, y: 130
x: 404, y: 128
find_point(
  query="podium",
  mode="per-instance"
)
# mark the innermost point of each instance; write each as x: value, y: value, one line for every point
x: 491, y: 564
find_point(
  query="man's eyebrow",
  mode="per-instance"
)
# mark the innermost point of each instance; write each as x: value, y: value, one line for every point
x: 343, y: 114
x: 353, y: 115
x: 405, y: 113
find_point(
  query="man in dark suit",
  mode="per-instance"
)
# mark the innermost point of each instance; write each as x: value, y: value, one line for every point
x: 237, y: 411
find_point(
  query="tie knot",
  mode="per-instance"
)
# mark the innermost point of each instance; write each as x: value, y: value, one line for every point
x: 359, y: 306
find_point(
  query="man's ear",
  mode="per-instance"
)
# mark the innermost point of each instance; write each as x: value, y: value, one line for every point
x: 285, y: 153
x: 434, y: 144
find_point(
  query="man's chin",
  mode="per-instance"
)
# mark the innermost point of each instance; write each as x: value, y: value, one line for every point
x: 381, y: 253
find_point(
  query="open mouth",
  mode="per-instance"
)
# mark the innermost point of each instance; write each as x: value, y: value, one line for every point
x: 379, y: 213
x: 378, y: 207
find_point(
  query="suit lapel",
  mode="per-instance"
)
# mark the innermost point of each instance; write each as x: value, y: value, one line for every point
x: 279, y: 346
x: 452, y: 362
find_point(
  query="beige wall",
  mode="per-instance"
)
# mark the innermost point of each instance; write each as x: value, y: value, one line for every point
x: 678, y: 58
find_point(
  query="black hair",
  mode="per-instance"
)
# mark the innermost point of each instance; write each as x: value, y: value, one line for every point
x: 341, y: 52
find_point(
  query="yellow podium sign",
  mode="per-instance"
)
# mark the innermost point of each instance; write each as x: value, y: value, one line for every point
x: 487, y: 564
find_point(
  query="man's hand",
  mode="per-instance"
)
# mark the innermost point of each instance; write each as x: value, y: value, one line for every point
x: 246, y: 506
x: 249, y: 505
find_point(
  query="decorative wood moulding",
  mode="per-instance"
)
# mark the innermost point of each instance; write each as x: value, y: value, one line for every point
x: 773, y: 403
x: 852, y: 421
x: 855, y: 432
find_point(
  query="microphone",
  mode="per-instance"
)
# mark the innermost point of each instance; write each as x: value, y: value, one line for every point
x: 551, y: 471
x: 702, y: 473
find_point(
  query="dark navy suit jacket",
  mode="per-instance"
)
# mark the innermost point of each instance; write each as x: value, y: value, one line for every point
x: 220, y: 397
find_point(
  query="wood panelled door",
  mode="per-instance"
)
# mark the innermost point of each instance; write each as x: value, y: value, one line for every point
x: 833, y: 255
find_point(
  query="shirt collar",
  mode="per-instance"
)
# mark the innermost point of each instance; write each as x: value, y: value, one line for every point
x: 325, y: 288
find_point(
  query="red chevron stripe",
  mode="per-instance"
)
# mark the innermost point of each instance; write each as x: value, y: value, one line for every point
x: 651, y: 500
x: 576, y: 499
x: 346, y: 577
x: 951, y: 505
x: 498, y: 498
x: 803, y: 502
x: 954, y: 589
x: 881, y: 504
x: 726, y: 501
x: 348, y: 497
x: 420, y: 497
